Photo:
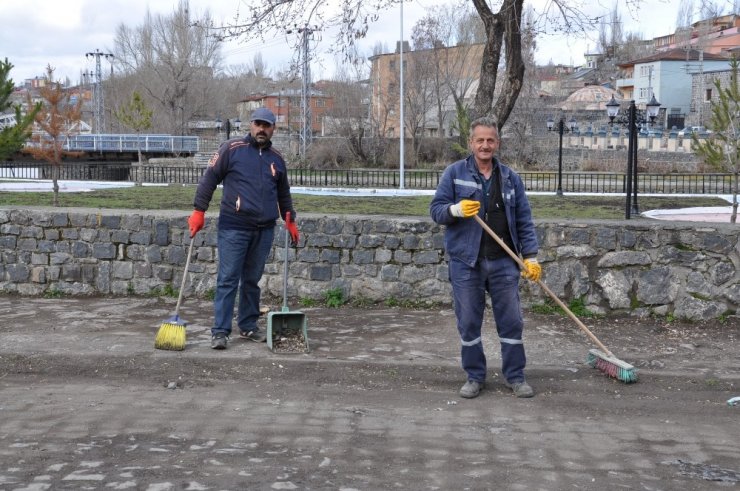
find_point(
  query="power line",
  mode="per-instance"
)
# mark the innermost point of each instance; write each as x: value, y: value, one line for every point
x: 306, y: 136
x: 98, y: 101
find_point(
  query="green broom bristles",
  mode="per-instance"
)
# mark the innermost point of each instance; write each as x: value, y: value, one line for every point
x: 170, y: 336
x: 613, y: 367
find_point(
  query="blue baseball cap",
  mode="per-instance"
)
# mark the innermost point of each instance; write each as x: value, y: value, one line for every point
x: 263, y: 114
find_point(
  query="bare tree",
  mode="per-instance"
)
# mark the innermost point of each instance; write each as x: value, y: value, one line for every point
x: 684, y: 19
x: 419, y: 96
x: 610, y: 33
x: 173, y: 61
x: 449, y: 35
x: 379, y: 48
x: 354, y: 17
x: 432, y: 34
x: 56, y: 119
x: 349, y: 111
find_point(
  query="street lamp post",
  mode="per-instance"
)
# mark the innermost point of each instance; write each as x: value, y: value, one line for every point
x: 612, y: 110
x: 561, y: 130
x: 219, y: 125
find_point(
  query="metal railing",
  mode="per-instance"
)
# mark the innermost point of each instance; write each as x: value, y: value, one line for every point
x: 573, y: 182
x: 130, y: 143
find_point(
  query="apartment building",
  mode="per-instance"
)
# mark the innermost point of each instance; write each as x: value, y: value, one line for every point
x: 667, y: 75
x: 717, y: 35
x: 287, y: 106
x: 433, y: 79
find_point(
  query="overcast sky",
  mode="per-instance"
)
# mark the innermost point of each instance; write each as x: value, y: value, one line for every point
x: 60, y: 32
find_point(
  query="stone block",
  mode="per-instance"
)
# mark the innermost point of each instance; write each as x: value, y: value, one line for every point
x: 331, y: 256
x: 657, y: 286
x: 161, y: 232
x: 122, y: 270
x: 71, y: 273
x: 426, y: 257
x: 363, y: 256
x: 624, y: 258
x: 17, y: 273
x: 390, y: 272
x: 319, y: 273
x: 694, y: 309
x: 616, y: 287
x: 80, y: 249
x: 143, y: 237
x: 104, y: 251
x: 383, y: 255
x: 39, y: 258
x: 59, y: 258
x: 109, y: 221
x: 27, y: 244
x: 88, y: 234
x: 32, y: 232
x: 119, y: 236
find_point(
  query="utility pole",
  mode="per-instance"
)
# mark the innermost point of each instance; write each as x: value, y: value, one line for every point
x: 305, y: 135
x: 98, y: 101
x: 402, y: 136
x: 306, y: 91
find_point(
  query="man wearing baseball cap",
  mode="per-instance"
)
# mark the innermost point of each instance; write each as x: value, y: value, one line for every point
x: 256, y: 192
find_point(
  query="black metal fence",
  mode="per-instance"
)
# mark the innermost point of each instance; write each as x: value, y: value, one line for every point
x: 572, y: 182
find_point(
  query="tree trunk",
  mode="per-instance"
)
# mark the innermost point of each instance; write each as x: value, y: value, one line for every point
x: 733, y: 217
x: 55, y: 167
x: 502, y: 27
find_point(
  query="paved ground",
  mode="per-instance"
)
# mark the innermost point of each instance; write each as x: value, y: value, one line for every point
x: 85, y: 404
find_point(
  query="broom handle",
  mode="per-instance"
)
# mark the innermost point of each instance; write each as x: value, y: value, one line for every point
x: 184, y: 272
x: 285, y: 272
x: 519, y: 261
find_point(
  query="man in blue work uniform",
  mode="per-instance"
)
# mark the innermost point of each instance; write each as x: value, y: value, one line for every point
x: 255, y: 193
x: 481, y: 185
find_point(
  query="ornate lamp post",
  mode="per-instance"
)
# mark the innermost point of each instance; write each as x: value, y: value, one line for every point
x: 561, y: 128
x: 612, y: 110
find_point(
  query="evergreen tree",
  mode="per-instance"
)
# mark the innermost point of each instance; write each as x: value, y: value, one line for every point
x: 721, y: 149
x: 12, y: 138
x: 136, y: 115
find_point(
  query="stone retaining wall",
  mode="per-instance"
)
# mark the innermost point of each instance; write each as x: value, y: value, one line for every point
x: 687, y: 270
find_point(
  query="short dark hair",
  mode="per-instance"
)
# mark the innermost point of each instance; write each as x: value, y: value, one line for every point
x: 486, y: 121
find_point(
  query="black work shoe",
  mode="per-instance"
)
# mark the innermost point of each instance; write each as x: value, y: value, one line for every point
x: 254, y: 335
x: 219, y: 341
x: 471, y: 389
x: 521, y: 389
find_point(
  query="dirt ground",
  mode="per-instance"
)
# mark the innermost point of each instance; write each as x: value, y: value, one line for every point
x: 86, y: 402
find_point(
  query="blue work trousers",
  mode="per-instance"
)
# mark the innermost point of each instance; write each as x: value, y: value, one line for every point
x: 500, y: 279
x: 241, y: 261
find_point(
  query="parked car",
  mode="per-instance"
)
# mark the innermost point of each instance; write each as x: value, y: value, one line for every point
x: 689, y: 130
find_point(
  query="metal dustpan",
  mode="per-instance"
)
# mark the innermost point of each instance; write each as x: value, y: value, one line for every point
x: 287, y: 331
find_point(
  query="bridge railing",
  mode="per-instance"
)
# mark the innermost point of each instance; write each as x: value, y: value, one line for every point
x: 150, y: 144
x: 572, y: 182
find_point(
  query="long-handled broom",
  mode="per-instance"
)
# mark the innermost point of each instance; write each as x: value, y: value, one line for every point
x: 171, y: 334
x: 603, y: 360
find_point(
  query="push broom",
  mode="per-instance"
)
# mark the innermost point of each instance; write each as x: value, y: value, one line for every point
x: 603, y: 360
x: 171, y: 333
